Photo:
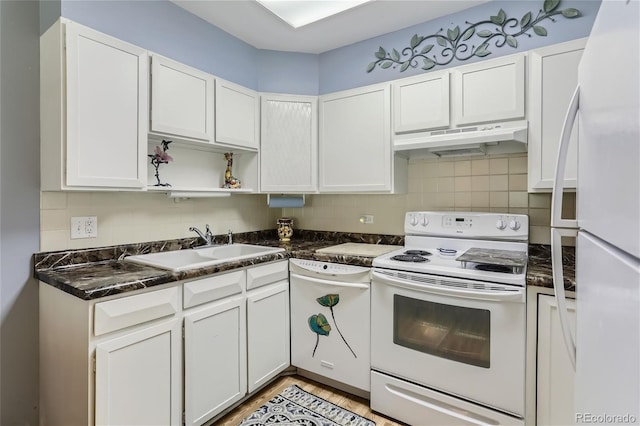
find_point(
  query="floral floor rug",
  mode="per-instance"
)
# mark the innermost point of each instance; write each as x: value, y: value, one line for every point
x: 293, y: 406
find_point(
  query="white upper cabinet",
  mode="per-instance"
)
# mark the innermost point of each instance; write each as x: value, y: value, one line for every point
x: 421, y: 103
x: 237, y: 116
x: 492, y: 90
x: 355, y: 153
x: 94, y: 110
x: 181, y: 100
x: 288, y: 143
x: 553, y: 77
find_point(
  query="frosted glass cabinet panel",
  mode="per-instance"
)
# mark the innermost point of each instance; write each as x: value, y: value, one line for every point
x: 289, y: 143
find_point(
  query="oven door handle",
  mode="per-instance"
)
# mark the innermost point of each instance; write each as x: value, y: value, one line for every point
x: 362, y: 286
x: 493, y: 295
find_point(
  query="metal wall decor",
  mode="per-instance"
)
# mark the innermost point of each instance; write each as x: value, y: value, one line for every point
x: 440, y: 49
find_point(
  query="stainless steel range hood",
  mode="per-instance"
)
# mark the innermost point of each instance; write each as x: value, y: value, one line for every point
x: 474, y: 140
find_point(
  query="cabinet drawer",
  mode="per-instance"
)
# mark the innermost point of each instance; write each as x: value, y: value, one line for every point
x: 212, y: 288
x: 267, y: 274
x: 128, y: 311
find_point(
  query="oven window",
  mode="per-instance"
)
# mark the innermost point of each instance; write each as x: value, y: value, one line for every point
x: 448, y: 331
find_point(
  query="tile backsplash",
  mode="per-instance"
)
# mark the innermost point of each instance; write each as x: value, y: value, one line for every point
x: 127, y: 217
x: 496, y: 184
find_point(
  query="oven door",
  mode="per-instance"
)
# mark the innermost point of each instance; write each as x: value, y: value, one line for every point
x: 462, y: 337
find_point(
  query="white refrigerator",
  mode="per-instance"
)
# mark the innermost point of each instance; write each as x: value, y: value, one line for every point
x: 606, y: 347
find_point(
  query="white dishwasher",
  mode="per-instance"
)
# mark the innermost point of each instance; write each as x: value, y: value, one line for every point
x: 330, y: 332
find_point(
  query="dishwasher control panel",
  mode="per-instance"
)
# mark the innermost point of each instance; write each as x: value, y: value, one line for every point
x: 316, y: 267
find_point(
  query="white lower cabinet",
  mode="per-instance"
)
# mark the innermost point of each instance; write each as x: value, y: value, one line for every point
x: 555, y: 374
x: 214, y: 359
x: 267, y: 333
x: 183, y: 351
x: 138, y: 376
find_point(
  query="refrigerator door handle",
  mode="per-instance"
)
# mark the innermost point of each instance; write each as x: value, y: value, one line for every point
x: 561, y: 162
x: 558, y: 286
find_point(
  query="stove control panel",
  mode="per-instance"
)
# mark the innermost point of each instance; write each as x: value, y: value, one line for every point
x: 468, y: 225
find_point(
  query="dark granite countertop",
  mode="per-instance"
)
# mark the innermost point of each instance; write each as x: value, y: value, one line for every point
x: 94, y: 273
x: 539, y: 267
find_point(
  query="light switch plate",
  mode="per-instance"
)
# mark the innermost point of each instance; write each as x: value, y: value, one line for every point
x: 84, y: 227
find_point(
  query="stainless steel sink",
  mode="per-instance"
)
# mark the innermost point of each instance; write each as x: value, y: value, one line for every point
x: 182, y: 260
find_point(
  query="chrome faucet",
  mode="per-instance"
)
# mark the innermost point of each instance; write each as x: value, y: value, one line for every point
x: 207, y: 236
x: 230, y: 237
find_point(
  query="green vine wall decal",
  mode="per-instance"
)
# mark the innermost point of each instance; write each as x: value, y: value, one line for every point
x: 455, y: 44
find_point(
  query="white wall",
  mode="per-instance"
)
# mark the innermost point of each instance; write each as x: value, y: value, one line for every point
x: 19, y: 210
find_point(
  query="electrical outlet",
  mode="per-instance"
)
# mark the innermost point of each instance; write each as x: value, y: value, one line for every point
x: 367, y: 219
x: 84, y: 227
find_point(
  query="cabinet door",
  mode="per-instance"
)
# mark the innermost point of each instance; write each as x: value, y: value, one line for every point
x: 181, y: 100
x: 267, y: 333
x: 214, y: 359
x: 237, y: 115
x: 289, y: 144
x: 355, y: 140
x: 138, y: 377
x: 555, y: 375
x: 553, y: 77
x: 421, y: 103
x: 107, y: 110
x: 490, y: 90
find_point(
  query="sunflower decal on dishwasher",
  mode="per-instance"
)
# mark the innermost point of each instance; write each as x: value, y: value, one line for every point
x: 319, y: 324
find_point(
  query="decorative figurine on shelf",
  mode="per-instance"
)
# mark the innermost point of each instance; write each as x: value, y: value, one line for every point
x: 160, y: 156
x: 230, y: 181
x: 285, y: 229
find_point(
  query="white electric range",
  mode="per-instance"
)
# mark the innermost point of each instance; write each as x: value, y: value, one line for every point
x: 448, y: 320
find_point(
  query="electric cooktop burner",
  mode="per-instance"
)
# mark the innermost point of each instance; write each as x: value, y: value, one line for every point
x: 418, y: 252
x: 409, y: 258
x: 494, y: 268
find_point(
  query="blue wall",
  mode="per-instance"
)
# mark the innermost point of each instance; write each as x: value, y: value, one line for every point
x: 288, y: 72
x: 345, y: 68
x: 19, y: 210
x: 163, y: 27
